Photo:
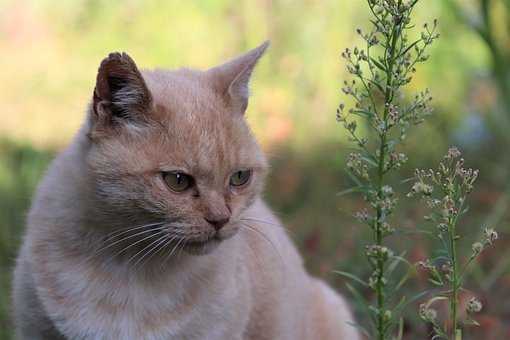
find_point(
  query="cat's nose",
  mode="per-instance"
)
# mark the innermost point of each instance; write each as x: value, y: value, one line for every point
x: 218, y: 223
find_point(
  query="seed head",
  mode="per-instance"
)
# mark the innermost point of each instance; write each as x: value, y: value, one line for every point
x: 474, y: 306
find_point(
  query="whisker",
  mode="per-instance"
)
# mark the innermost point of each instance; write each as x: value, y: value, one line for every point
x: 159, y: 242
x: 173, y: 249
x: 181, y: 249
x: 121, y: 231
x: 147, y: 246
x: 278, y: 225
x: 135, y: 243
x: 259, y: 220
x: 165, y: 243
x: 265, y: 237
x: 109, y: 245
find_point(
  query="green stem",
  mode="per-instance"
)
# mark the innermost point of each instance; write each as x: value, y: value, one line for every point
x: 388, y: 97
x: 454, y: 283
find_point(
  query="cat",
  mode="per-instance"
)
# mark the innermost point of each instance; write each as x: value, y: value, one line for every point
x: 150, y: 225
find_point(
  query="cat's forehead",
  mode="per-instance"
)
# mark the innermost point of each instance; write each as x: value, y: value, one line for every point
x: 182, y: 92
x: 203, y: 133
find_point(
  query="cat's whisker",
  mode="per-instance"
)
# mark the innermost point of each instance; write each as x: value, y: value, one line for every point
x: 259, y: 220
x: 278, y: 225
x: 156, y: 248
x: 134, y: 244
x: 174, y: 248
x: 109, y: 245
x: 161, y: 246
x: 146, y: 247
x: 181, y: 249
x: 264, y: 237
x: 122, y: 231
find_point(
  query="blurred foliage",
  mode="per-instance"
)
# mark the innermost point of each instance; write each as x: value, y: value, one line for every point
x: 51, y: 51
x: 21, y: 167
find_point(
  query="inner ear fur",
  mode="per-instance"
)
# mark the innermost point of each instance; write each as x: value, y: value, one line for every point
x: 120, y: 95
x: 231, y: 80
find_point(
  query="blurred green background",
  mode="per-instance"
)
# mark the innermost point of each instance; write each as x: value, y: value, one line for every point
x: 50, y: 51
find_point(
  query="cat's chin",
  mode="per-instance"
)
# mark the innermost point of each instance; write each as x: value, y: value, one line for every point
x: 201, y: 248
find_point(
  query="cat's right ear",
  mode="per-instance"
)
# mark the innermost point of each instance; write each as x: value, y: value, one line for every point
x: 120, y: 96
x: 231, y: 80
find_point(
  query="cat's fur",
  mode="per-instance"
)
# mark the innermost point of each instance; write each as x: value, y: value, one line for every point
x: 73, y: 281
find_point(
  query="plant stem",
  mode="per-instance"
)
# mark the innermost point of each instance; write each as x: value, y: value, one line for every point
x: 388, y: 97
x: 454, y: 298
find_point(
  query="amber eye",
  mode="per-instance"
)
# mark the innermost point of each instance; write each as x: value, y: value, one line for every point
x: 240, y: 178
x: 178, y: 181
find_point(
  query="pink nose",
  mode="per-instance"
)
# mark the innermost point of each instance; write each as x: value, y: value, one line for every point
x: 218, y: 223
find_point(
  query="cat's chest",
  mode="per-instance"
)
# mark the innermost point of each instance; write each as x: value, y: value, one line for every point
x: 189, y: 309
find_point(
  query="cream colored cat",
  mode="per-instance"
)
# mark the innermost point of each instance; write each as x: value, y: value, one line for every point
x: 150, y: 225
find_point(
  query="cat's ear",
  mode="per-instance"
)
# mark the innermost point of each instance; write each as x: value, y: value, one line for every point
x: 120, y: 95
x: 232, y: 79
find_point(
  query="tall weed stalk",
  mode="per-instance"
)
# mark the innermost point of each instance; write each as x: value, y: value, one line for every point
x: 380, y: 70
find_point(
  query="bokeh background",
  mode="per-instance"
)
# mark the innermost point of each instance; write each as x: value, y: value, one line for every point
x: 50, y: 51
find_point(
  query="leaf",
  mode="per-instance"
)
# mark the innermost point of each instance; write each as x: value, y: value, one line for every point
x: 407, y: 180
x: 370, y: 161
x: 378, y: 65
x: 400, y: 334
x: 361, y: 302
x: 404, y: 303
x: 362, y: 113
x: 379, y: 87
x: 435, y: 282
x: 352, y: 277
x: 471, y: 322
x: 440, y: 257
x: 401, y: 258
x: 409, y: 48
x: 354, y: 178
x: 405, y: 277
x: 351, y: 191
x: 393, y: 265
x: 434, y: 299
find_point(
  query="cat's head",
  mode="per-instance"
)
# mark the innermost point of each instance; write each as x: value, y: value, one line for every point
x: 173, y: 148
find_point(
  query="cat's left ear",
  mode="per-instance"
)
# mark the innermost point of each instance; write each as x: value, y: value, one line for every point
x: 120, y: 96
x: 232, y: 79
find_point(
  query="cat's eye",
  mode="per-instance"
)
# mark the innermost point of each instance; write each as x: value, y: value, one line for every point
x: 240, y: 178
x: 178, y: 181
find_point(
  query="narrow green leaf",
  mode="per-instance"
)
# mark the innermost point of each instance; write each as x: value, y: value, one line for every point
x: 403, y: 304
x: 363, y: 113
x: 369, y: 161
x: 400, y: 334
x: 361, y: 302
x: 409, y: 48
x: 351, y: 191
x: 378, y: 64
x: 352, y: 277
x: 353, y: 178
x: 379, y: 87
